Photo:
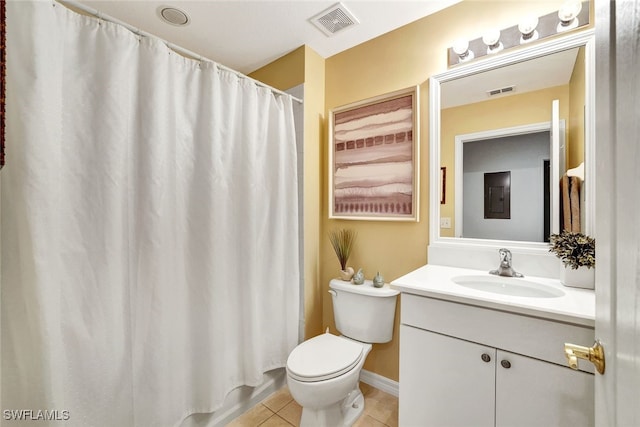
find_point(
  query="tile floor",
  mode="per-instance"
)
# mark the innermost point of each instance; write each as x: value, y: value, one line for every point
x: 280, y: 410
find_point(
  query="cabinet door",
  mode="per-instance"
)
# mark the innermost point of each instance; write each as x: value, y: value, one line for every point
x: 444, y: 381
x: 530, y: 392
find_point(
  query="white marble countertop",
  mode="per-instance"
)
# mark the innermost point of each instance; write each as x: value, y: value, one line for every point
x: 575, y: 306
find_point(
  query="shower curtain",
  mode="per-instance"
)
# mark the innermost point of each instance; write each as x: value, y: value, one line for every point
x: 148, y: 224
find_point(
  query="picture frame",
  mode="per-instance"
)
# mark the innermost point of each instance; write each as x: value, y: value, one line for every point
x: 374, y: 154
x: 443, y: 185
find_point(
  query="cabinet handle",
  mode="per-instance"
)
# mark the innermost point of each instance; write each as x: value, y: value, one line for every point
x: 485, y: 357
x: 505, y: 364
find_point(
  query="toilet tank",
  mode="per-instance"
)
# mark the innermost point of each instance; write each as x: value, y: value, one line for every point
x: 363, y: 312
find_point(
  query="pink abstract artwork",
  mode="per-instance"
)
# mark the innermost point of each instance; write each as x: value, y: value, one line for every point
x: 373, y: 160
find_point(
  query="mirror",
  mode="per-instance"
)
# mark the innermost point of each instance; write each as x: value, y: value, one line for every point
x: 510, y: 136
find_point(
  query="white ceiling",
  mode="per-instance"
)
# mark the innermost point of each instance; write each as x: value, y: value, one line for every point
x: 245, y: 35
x: 534, y: 74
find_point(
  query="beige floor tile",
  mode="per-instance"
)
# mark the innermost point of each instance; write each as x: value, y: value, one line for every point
x: 292, y: 413
x: 253, y: 417
x: 392, y: 421
x: 275, y: 421
x: 381, y: 410
x: 368, y: 421
x: 278, y: 400
x: 381, y: 406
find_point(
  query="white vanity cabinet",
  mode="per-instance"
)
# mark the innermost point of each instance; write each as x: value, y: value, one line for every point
x: 443, y: 381
x: 465, y: 365
x: 532, y: 392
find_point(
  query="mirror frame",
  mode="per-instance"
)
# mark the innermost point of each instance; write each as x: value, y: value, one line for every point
x: 584, y: 38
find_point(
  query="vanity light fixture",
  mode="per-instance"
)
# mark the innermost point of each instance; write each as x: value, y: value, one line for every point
x: 568, y: 15
x: 571, y: 15
x: 461, y: 48
x: 492, y: 40
x: 528, y: 30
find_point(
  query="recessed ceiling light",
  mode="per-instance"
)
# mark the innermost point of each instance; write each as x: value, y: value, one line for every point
x: 173, y: 16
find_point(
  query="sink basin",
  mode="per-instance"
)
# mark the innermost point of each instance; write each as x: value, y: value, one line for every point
x: 511, y: 286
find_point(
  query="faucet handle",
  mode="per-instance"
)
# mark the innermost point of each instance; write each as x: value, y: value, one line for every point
x: 505, y: 255
x: 505, y: 268
x: 504, y: 251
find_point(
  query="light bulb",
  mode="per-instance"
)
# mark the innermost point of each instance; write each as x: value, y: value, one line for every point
x: 568, y: 15
x: 527, y: 28
x: 492, y: 39
x: 461, y: 48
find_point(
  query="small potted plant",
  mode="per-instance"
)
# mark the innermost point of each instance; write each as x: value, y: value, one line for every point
x: 578, y: 254
x: 342, y: 241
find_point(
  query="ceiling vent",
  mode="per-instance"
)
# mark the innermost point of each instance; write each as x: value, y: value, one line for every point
x: 173, y: 16
x: 503, y: 90
x: 334, y: 20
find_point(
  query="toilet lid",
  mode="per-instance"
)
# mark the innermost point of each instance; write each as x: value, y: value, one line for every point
x: 323, y: 357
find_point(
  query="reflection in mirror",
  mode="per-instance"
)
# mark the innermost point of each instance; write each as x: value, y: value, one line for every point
x: 500, y: 120
x: 505, y: 187
x: 495, y: 116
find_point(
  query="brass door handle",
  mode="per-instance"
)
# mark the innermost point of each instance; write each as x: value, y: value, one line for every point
x: 593, y: 354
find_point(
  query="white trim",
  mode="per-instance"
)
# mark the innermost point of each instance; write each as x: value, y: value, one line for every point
x: 381, y: 383
x: 258, y: 394
x: 555, y: 174
x: 434, y: 159
x: 577, y: 39
x: 491, y: 134
x: 589, y: 186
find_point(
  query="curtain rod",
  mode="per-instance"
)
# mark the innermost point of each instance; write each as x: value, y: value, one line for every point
x: 182, y: 51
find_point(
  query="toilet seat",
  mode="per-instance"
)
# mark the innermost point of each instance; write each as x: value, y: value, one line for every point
x: 323, y: 357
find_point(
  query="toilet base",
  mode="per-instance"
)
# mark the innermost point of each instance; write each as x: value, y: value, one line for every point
x: 353, y: 407
x: 343, y: 414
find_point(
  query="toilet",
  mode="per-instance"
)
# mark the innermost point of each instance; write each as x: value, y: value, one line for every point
x: 323, y: 372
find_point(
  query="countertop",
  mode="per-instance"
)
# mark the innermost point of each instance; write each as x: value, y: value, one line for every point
x: 576, y: 306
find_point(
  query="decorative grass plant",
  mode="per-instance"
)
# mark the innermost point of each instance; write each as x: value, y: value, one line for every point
x: 342, y: 241
x: 574, y: 249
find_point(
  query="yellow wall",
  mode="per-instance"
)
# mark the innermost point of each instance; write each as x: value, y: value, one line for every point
x: 305, y: 66
x: 399, y: 59
x: 314, y: 99
x: 509, y: 111
x: 285, y: 72
x: 575, y: 156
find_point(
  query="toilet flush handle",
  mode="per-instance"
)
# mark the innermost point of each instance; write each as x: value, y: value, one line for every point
x: 333, y: 293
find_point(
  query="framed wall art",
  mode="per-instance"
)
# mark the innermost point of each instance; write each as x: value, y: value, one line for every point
x: 374, y: 158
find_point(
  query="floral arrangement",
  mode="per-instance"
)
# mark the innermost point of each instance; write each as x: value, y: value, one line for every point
x: 574, y: 249
x: 342, y: 241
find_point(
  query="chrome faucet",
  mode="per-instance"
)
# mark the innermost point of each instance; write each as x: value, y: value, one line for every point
x: 505, y: 268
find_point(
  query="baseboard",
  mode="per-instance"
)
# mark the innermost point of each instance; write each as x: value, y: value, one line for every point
x: 247, y: 402
x: 381, y: 383
x: 271, y: 385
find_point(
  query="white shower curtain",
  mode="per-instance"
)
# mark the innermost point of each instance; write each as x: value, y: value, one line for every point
x: 149, y: 226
